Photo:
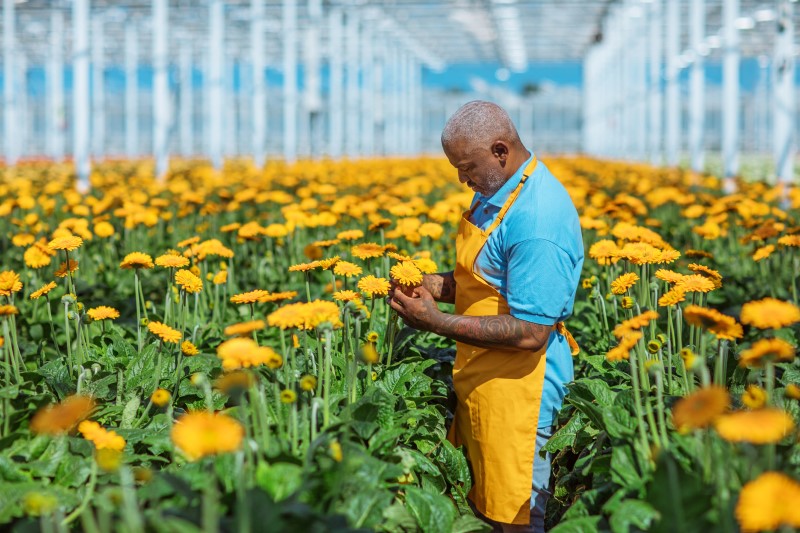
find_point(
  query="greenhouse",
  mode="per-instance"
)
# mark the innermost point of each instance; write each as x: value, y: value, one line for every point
x: 399, y: 265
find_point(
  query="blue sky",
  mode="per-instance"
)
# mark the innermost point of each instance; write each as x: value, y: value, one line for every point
x: 456, y: 76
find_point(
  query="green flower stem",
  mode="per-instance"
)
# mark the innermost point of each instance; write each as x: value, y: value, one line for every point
x: 210, y: 515
x: 390, y: 336
x: 138, y: 311
x: 9, y: 351
x: 87, y: 495
x: 71, y: 363
x: 295, y: 430
x: 140, y: 293
x: 354, y: 369
x: 307, y: 276
x: 326, y: 412
x: 637, y: 397
x: 52, y: 326
x: 662, y: 420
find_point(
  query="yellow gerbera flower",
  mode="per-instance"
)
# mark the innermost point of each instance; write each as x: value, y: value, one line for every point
x: 762, y: 426
x: 62, y: 272
x: 9, y: 283
x: 249, y: 297
x: 103, y: 312
x: 188, y: 281
x: 723, y: 326
x: 777, y: 349
x: 346, y: 269
x: 200, y: 434
x: 244, y: 328
x: 103, y: 439
x: 367, y: 250
x: 406, y: 274
x: 350, y: 235
x: 763, y: 252
x: 43, y: 290
x: 770, y: 313
x: 164, y: 332
x: 372, y: 286
x: 137, y: 260
x: 700, y: 409
x: 768, y: 502
x: 61, y: 418
x: 346, y: 296
x: 624, y: 282
x: 695, y: 283
x: 171, y: 261
x: 754, y: 397
x: 6, y: 310
x: 69, y: 243
x: 188, y: 349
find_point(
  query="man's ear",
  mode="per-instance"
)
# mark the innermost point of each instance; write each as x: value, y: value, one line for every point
x: 500, y: 151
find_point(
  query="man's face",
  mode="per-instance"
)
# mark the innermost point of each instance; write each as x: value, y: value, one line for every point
x: 478, y: 167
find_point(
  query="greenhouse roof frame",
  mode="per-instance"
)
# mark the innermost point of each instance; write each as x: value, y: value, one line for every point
x: 456, y: 31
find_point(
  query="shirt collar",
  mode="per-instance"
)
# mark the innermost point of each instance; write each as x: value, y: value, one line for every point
x: 499, y: 198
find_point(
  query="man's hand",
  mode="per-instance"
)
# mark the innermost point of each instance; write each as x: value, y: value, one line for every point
x: 418, y: 311
x: 494, y: 331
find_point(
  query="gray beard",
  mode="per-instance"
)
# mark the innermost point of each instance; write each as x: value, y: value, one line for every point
x: 494, y: 180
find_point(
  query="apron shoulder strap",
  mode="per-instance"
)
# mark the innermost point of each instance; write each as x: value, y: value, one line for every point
x: 513, y: 196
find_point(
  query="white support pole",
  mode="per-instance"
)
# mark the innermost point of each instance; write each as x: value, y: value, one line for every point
x: 131, y: 90
x: 367, y: 92
x: 312, y: 76
x: 80, y: 91
x: 231, y: 118
x: 186, y: 101
x: 98, y: 87
x: 379, y: 122
x: 55, y: 87
x: 336, y: 88
x: 9, y: 84
x: 392, y: 114
x: 259, y: 88
x: 161, y: 107
x: 784, y: 100
x: 352, y: 95
x: 405, y: 104
x: 673, y: 113
x: 215, y: 87
x: 289, y: 13
x: 656, y: 59
x: 697, y: 24
x: 730, y: 92
x: 23, y: 125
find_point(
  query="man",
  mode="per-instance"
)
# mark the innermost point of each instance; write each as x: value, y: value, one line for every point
x: 519, y: 254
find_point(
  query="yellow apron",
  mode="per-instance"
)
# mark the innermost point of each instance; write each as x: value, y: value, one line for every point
x: 499, y: 390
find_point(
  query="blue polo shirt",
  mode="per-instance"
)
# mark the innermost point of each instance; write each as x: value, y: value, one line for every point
x: 534, y: 259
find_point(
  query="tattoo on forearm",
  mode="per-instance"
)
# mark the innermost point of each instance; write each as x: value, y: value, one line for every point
x: 442, y: 286
x: 493, y: 331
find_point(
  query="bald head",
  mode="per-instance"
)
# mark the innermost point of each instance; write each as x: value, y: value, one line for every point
x: 482, y: 143
x: 479, y: 124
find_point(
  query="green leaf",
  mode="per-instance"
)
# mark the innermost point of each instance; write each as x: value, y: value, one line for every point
x: 398, y: 519
x: 578, y: 525
x: 633, y: 513
x: 280, y: 480
x: 623, y: 467
x: 129, y: 413
x: 565, y: 436
x: 470, y: 524
x: 618, y: 422
x: 679, y: 496
x: 434, y: 513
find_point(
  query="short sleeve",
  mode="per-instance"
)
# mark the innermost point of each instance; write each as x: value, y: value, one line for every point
x: 540, y: 281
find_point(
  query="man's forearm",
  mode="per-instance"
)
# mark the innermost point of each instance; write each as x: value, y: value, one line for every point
x: 496, y: 331
x: 442, y: 286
